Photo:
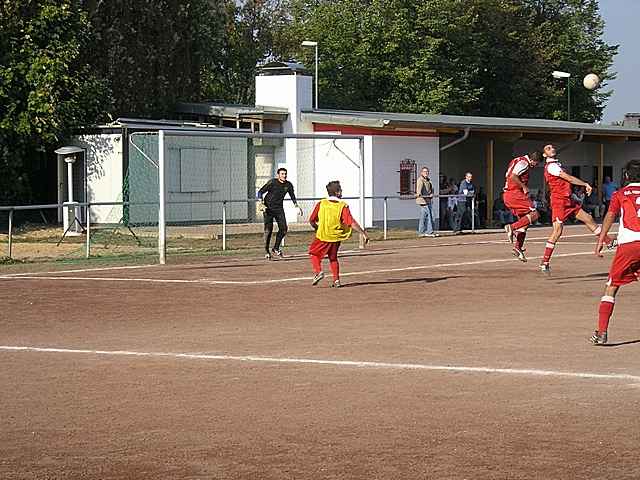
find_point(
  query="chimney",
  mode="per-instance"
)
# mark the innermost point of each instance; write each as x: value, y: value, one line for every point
x: 631, y: 120
x: 285, y: 85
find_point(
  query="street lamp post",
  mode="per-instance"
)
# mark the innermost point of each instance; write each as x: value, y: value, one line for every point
x: 308, y: 43
x: 559, y: 75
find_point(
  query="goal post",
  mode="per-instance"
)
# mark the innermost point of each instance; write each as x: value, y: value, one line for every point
x: 199, y: 171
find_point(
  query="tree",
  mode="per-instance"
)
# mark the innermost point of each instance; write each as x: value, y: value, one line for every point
x: 45, y: 89
x: 154, y: 53
x: 570, y: 38
x: 251, y: 29
x: 473, y: 57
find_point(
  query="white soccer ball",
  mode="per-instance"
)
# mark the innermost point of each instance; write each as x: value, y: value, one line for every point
x: 591, y: 81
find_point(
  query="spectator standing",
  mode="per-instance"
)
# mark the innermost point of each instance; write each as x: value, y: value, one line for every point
x: 466, y: 191
x: 424, y: 197
x: 608, y: 187
x: 542, y: 206
x: 592, y: 204
x: 443, y: 190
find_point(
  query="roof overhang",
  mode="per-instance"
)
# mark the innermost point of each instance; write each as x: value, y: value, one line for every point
x: 508, y: 129
x: 237, y: 112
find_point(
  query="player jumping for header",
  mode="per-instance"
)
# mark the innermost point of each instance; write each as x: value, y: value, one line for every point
x: 516, y: 198
x: 625, y: 267
x: 332, y: 221
x: 562, y: 206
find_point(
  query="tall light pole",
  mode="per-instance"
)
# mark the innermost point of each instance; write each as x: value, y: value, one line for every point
x: 559, y: 75
x: 308, y: 43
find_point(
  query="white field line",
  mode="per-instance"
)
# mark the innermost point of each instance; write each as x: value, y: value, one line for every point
x: 336, y: 363
x: 82, y: 270
x: 358, y: 251
x: 284, y: 280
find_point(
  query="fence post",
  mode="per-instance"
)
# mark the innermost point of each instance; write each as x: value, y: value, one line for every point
x: 10, y: 232
x: 162, y: 227
x: 362, y: 188
x: 384, y: 218
x: 87, y: 210
x: 224, y: 225
x: 473, y: 214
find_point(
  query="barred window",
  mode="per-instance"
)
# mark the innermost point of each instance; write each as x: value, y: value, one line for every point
x: 408, y: 176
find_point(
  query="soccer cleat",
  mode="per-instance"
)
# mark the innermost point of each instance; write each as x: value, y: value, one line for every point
x: 336, y: 284
x: 267, y: 256
x: 598, y: 338
x: 277, y: 253
x: 509, y: 231
x: 317, y: 277
x: 545, y: 268
x: 519, y: 254
x: 613, y: 244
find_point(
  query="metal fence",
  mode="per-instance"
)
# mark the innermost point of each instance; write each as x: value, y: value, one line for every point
x: 153, y: 241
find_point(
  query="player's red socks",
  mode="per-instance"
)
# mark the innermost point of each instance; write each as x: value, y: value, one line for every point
x: 548, y: 251
x: 335, y: 269
x: 604, y: 312
x: 520, y: 236
x: 316, y: 263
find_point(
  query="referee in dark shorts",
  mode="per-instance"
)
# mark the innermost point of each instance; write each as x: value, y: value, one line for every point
x: 273, y: 209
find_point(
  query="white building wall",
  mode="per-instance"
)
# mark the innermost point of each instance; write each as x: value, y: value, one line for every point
x: 104, y: 174
x: 339, y: 159
x: 387, y: 153
x: 295, y: 93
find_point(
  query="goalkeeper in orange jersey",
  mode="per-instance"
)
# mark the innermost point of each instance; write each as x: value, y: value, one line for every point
x: 332, y: 221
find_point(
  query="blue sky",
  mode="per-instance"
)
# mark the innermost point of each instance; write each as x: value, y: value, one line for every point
x: 622, y: 19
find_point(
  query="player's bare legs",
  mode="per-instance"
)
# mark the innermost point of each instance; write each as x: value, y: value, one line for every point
x: 591, y: 224
x: 588, y: 220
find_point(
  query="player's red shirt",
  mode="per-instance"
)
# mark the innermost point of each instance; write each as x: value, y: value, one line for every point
x: 559, y: 188
x: 345, y: 215
x: 520, y: 166
x: 626, y: 203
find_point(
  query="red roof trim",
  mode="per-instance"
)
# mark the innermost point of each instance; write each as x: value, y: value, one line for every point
x: 355, y: 130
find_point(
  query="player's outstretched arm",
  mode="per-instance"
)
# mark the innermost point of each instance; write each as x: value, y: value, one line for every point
x: 576, y: 181
x: 609, y: 219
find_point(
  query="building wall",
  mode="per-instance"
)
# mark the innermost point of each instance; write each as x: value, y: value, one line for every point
x: 293, y: 92
x: 104, y: 174
x: 199, y: 171
x: 387, y: 153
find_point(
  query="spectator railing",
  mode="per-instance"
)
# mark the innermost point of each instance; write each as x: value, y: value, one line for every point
x: 88, y: 205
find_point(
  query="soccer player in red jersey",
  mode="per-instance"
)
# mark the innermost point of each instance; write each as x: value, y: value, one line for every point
x: 625, y: 267
x: 562, y: 206
x: 516, y: 198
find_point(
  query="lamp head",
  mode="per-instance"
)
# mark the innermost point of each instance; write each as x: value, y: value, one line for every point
x: 558, y: 74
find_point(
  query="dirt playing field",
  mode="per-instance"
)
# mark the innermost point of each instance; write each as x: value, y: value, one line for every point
x: 439, y: 358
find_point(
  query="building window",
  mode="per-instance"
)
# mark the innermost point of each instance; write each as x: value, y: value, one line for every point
x: 408, y: 176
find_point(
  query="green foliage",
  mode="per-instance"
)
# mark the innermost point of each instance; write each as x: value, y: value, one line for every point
x: 71, y: 63
x: 251, y: 30
x: 473, y: 57
x: 45, y: 90
x: 154, y: 53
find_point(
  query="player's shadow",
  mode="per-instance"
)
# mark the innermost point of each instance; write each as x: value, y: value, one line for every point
x: 582, y: 278
x: 620, y: 344
x: 390, y: 282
